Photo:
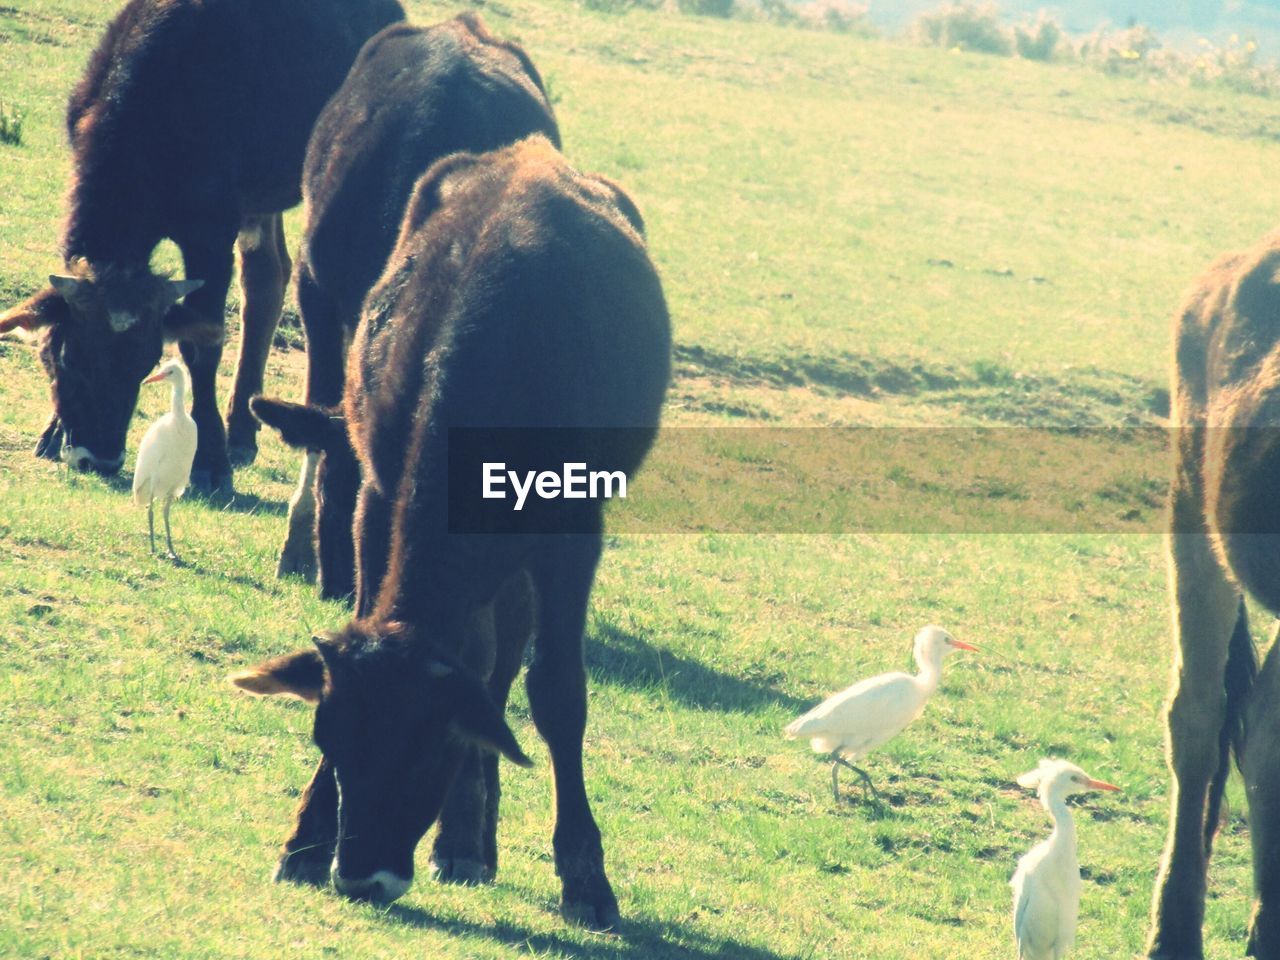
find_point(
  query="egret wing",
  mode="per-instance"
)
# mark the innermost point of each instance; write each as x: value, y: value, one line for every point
x: 165, y: 456
x: 1036, y: 924
x: 863, y: 716
x: 150, y: 451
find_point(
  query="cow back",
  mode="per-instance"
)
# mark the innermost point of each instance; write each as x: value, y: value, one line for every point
x: 414, y: 95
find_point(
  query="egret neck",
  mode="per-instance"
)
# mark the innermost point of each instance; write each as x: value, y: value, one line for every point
x: 1062, y: 841
x: 179, y: 395
x: 929, y: 660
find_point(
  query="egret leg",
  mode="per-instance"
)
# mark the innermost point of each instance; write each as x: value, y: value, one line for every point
x: 867, y: 785
x: 151, y: 523
x: 837, y: 762
x: 168, y: 537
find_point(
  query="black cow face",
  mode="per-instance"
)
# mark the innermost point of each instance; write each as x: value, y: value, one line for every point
x: 392, y: 718
x: 105, y: 331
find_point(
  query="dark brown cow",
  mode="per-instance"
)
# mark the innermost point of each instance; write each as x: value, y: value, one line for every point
x: 1224, y: 540
x: 519, y: 296
x: 414, y: 95
x: 190, y: 124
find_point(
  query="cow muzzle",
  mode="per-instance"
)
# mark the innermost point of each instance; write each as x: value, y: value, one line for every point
x: 81, y: 458
x: 382, y: 887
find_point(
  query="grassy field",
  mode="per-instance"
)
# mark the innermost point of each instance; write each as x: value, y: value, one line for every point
x: 851, y: 233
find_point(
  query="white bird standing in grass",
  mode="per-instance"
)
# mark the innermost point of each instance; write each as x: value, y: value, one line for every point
x: 1046, y: 885
x: 853, y: 722
x: 165, y: 454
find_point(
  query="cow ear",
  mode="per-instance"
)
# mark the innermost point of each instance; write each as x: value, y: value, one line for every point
x: 42, y: 310
x: 181, y: 323
x: 432, y: 189
x: 626, y: 206
x: 302, y: 426
x: 180, y: 288
x: 476, y: 719
x: 299, y: 674
x: 68, y: 287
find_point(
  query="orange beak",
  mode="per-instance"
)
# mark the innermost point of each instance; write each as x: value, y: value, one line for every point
x: 154, y: 378
x: 961, y: 645
x: 1100, y: 785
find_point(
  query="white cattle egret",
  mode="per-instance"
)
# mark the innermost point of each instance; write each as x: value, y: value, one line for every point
x: 165, y: 454
x: 853, y: 722
x: 1046, y: 885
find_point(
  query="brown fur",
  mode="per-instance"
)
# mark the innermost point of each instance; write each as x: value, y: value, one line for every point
x: 414, y: 95
x: 519, y: 297
x: 1224, y: 526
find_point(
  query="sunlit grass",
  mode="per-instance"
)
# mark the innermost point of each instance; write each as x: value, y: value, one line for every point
x: 850, y: 232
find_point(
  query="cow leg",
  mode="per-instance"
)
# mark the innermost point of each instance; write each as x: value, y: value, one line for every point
x: 298, y: 555
x: 264, y: 274
x: 209, y: 261
x: 324, y: 387
x: 372, y: 528
x: 1261, y: 767
x: 557, y: 686
x: 310, y: 848
x: 326, y: 340
x: 457, y: 856
x: 513, y: 615
x: 1205, y: 608
x: 466, y: 845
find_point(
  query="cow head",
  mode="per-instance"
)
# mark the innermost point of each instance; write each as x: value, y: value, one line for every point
x: 104, y: 330
x: 323, y: 430
x: 392, y: 718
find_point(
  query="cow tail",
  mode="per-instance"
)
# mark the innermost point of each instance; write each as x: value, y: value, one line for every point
x: 1241, y: 671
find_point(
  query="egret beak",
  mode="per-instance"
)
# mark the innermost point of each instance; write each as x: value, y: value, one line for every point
x: 961, y: 645
x: 155, y: 378
x: 1100, y: 785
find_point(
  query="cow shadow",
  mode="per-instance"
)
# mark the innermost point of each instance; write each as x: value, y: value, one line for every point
x: 616, y: 656
x: 638, y: 939
x: 246, y: 503
x: 198, y: 569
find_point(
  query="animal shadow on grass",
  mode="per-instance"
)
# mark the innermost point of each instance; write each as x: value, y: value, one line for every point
x: 247, y: 503
x: 615, y: 656
x: 195, y: 567
x: 637, y: 939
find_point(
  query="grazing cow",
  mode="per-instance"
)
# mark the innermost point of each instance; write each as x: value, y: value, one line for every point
x: 189, y: 124
x: 414, y: 95
x: 1224, y: 540
x: 519, y: 295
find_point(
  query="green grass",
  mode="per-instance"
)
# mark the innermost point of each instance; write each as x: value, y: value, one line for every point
x: 851, y: 233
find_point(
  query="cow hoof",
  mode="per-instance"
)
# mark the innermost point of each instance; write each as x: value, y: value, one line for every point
x: 296, y: 563
x: 49, y: 446
x: 468, y: 873
x: 242, y: 454
x: 208, y: 483
x: 297, y: 868
x: 601, y: 917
